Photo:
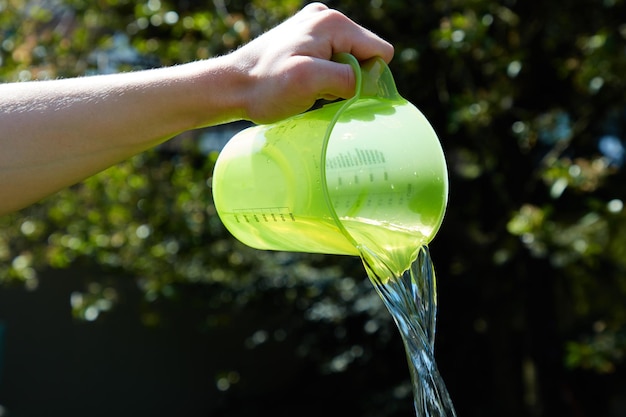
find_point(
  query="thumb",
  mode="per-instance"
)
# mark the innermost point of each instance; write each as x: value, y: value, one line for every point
x: 334, y: 80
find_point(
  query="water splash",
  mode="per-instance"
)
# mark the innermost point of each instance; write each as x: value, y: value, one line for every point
x: 411, y: 298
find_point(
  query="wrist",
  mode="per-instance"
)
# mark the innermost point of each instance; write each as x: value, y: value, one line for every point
x: 219, y: 88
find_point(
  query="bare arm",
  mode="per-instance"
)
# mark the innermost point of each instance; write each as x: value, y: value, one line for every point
x: 56, y: 133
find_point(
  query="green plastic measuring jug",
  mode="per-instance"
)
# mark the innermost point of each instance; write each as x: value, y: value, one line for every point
x: 368, y: 171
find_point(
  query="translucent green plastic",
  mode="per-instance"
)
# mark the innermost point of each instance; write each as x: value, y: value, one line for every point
x: 365, y: 171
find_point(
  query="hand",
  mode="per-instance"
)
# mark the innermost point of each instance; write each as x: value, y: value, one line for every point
x: 289, y: 67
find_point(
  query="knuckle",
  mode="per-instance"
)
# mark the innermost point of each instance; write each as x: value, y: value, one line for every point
x: 328, y: 18
x: 315, y: 7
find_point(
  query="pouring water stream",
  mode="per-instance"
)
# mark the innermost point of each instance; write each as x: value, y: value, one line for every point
x: 411, y: 298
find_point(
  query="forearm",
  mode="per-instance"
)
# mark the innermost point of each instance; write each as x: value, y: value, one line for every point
x: 56, y: 133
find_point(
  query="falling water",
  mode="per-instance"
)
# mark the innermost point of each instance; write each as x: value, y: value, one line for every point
x: 411, y: 298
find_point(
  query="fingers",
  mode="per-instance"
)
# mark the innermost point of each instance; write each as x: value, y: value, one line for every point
x: 344, y: 35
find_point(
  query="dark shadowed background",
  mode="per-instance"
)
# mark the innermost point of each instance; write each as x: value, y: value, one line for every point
x: 125, y: 295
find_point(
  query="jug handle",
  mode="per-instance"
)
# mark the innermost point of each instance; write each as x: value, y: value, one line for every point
x: 343, y: 58
x: 373, y: 77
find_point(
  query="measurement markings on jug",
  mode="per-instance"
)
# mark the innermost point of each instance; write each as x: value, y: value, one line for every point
x: 264, y: 215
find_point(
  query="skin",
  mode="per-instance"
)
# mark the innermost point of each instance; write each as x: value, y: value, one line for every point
x: 56, y: 133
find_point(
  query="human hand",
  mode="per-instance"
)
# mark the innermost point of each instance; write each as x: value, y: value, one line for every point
x: 288, y: 68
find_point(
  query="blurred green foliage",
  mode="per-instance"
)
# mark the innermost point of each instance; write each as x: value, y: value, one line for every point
x: 528, y: 98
